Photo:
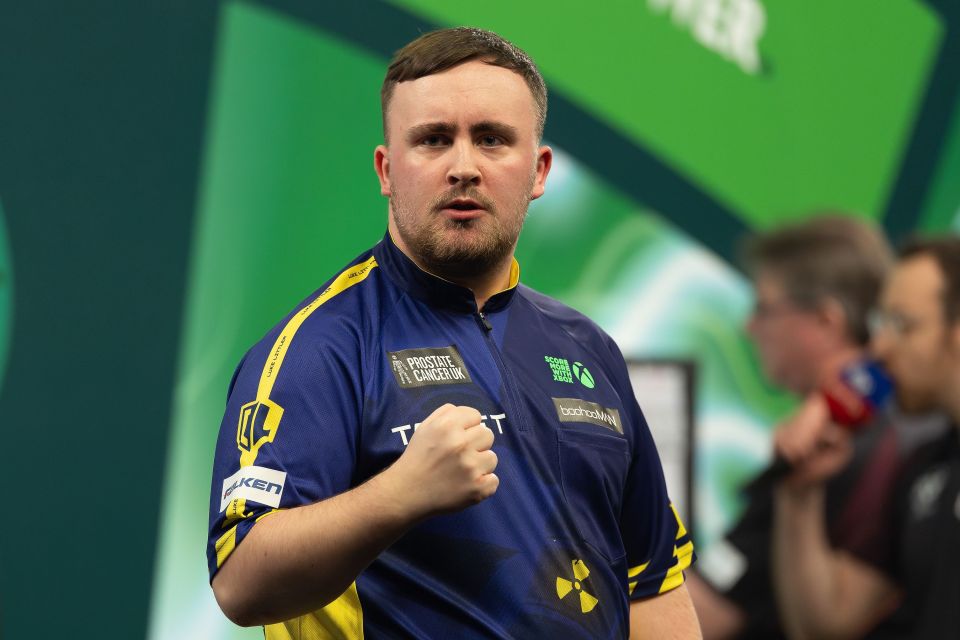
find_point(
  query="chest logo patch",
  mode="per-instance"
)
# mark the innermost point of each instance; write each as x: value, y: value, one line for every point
x: 563, y: 372
x: 577, y: 410
x: 424, y: 367
x: 566, y: 586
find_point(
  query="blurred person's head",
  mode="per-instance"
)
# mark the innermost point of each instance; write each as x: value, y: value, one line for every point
x: 815, y: 282
x: 916, y: 328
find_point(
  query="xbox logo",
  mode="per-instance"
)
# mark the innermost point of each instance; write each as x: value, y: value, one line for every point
x: 582, y: 374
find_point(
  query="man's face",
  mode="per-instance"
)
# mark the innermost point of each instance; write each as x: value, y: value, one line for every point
x: 789, y: 339
x: 913, y: 340
x: 462, y: 166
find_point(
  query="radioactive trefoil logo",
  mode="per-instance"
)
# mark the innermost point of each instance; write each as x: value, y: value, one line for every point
x: 565, y: 587
x: 563, y: 372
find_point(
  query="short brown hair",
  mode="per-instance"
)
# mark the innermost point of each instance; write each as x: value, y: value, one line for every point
x: 438, y: 51
x: 945, y: 251
x: 826, y: 256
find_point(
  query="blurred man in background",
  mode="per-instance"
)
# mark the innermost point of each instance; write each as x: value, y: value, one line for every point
x: 814, y: 282
x: 915, y: 553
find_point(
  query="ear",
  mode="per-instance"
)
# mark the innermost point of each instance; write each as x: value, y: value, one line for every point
x: 544, y: 162
x: 833, y: 314
x: 381, y: 164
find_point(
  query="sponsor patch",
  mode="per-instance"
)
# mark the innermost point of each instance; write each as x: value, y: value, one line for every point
x: 563, y: 372
x: 425, y: 367
x: 257, y: 484
x: 577, y: 410
x: 560, y: 368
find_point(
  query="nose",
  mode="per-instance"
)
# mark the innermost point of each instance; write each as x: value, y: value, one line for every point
x: 464, y: 166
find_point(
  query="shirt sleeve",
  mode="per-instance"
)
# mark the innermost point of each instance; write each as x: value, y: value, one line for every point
x: 658, y: 545
x: 745, y: 555
x: 288, y: 434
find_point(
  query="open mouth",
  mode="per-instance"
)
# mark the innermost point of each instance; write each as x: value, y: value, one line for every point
x: 462, y: 209
x: 463, y: 205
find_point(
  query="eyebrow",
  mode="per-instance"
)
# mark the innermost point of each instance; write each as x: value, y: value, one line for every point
x: 430, y: 128
x: 501, y: 129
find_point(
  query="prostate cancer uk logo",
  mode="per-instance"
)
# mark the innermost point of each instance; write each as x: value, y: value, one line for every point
x: 430, y: 366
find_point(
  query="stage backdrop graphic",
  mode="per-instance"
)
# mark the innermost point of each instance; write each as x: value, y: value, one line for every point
x: 175, y: 177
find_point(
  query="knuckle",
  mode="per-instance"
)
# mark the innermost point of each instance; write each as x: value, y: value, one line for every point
x: 442, y: 409
x: 469, y: 413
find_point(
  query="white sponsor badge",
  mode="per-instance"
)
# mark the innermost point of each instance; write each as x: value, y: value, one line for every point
x: 258, y: 484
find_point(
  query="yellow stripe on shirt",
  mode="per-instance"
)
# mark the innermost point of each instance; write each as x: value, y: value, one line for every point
x: 674, y: 577
x: 266, y: 412
x: 344, y: 281
x: 342, y: 619
x: 263, y: 410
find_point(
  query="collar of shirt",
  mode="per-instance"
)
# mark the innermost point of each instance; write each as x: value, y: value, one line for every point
x: 434, y: 290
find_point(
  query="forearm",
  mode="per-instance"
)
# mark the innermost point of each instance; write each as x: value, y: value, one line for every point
x: 298, y: 560
x: 802, y: 571
x: 669, y: 616
x: 822, y: 592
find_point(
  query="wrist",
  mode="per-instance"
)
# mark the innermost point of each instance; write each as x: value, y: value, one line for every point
x: 400, y: 500
x: 801, y: 494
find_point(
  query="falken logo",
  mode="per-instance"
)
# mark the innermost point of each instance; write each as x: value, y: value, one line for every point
x: 577, y: 410
x: 563, y: 372
x: 257, y: 484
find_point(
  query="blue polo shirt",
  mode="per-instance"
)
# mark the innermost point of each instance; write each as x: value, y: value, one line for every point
x: 581, y: 522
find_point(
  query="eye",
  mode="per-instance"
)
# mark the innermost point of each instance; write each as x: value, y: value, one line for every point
x: 490, y: 140
x: 433, y: 140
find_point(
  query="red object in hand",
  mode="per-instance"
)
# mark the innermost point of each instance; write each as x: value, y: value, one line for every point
x: 855, y: 395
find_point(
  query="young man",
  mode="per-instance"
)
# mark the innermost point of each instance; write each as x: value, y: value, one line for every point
x: 425, y: 448
x: 814, y: 283
x: 917, y: 336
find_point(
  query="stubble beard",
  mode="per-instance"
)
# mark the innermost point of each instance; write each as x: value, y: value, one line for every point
x: 460, y: 249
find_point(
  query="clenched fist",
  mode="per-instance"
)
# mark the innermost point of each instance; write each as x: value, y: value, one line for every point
x: 448, y: 464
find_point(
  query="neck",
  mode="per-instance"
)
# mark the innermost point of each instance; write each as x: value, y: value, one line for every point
x: 484, y: 285
x: 489, y: 284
